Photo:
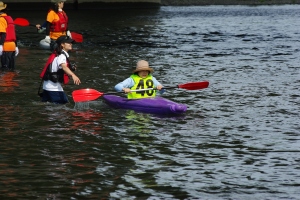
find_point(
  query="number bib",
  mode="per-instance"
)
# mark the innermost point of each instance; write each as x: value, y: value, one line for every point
x: 142, y: 83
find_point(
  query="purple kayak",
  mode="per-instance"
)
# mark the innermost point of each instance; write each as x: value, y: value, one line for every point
x: 157, y: 105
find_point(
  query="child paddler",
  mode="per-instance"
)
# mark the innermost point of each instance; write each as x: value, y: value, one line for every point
x: 140, y: 79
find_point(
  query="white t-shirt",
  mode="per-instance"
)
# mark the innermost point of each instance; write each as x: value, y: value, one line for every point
x: 56, y: 64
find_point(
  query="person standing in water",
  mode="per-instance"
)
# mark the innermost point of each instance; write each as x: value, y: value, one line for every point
x: 57, y: 71
x: 8, y: 40
x: 57, y: 23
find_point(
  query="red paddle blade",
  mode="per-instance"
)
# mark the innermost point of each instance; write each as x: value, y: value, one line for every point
x: 194, y: 85
x: 21, y: 22
x: 86, y: 95
x: 77, y: 37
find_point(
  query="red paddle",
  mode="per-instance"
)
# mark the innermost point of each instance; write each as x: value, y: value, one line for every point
x: 24, y: 22
x: 92, y: 94
x: 77, y: 37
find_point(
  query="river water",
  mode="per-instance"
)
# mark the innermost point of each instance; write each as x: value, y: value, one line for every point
x: 239, y: 138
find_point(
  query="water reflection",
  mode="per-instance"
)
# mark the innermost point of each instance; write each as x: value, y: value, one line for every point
x: 138, y: 123
x: 8, y: 81
x: 88, y: 122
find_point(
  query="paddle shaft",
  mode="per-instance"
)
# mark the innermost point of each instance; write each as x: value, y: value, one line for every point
x: 92, y: 94
x: 140, y: 90
x: 24, y: 22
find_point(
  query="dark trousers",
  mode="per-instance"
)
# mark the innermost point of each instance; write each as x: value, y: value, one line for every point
x: 8, y: 60
x: 57, y: 97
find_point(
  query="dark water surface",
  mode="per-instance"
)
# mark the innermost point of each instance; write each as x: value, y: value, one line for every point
x: 238, y: 140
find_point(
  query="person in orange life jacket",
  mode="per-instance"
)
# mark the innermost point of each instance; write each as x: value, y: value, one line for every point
x: 140, y: 79
x: 57, y: 23
x: 8, y: 41
x: 52, y: 88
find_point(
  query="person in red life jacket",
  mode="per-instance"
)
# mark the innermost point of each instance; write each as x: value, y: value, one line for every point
x: 57, y: 23
x: 57, y: 72
x: 8, y: 41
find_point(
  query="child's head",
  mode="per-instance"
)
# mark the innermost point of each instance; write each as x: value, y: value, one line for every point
x: 64, y: 42
x: 143, y: 69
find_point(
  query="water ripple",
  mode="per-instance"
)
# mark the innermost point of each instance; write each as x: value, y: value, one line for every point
x: 239, y: 138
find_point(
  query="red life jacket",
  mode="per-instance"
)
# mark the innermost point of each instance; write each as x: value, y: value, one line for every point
x: 62, y: 24
x: 59, y: 76
x: 49, y: 62
x: 10, y: 30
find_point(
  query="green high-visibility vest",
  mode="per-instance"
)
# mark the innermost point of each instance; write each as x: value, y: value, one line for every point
x: 142, y: 83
